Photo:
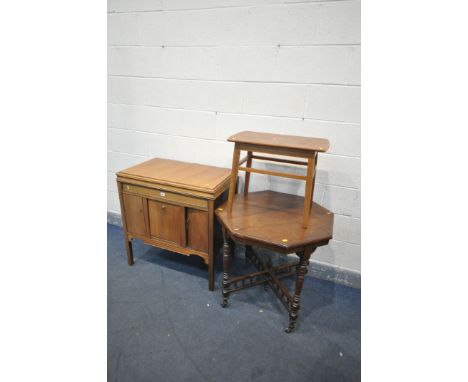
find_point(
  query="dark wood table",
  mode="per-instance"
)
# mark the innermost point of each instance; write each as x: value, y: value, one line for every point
x: 280, y: 222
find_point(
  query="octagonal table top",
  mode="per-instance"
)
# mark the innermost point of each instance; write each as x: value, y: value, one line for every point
x: 274, y: 220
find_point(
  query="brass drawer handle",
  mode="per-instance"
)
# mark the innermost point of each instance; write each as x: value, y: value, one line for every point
x: 163, y: 206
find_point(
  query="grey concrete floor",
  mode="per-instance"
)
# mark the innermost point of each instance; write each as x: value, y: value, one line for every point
x: 164, y: 324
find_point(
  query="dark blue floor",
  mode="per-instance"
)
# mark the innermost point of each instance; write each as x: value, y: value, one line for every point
x: 164, y: 325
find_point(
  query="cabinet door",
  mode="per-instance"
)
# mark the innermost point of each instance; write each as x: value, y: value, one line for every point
x: 167, y: 222
x: 134, y: 218
x: 197, y: 229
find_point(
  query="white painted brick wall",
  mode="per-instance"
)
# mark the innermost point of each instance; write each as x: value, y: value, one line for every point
x: 186, y: 74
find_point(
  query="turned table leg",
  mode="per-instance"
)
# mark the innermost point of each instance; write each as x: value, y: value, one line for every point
x: 211, y: 275
x: 248, y: 251
x: 232, y: 247
x: 129, y: 249
x: 226, y: 265
x: 301, y: 270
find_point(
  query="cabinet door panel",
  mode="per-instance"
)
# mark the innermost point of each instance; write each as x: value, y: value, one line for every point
x: 197, y: 229
x: 134, y: 218
x: 167, y: 222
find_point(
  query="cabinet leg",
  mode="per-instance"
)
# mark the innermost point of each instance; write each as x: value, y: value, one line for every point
x: 226, y: 265
x: 301, y: 270
x: 129, y: 248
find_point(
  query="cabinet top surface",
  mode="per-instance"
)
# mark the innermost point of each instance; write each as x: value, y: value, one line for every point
x: 179, y: 174
x: 281, y: 140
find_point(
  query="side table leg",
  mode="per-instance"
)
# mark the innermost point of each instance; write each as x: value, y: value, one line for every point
x: 248, y: 250
x: 301, y: 270
x: 226, y: 265
x: 211, y: 255
x: 129, y: 249
x: 232, y: 247
x: 211, y: 275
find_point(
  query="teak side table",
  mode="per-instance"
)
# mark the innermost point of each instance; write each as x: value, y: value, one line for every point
x: 280, y: 222
x: 169, y: 204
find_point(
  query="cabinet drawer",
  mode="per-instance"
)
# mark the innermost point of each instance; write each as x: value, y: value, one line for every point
x: 167, y: 222
x: 134, y: 218
x: 197, y: 229
x: 162, y: 195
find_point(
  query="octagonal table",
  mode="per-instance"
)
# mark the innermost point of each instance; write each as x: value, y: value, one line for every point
x: 272, y: 220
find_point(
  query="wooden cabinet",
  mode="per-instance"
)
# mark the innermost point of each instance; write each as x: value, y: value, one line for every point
x: 170, y: 204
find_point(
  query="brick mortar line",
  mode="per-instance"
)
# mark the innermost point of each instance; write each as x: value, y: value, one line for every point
x: 233, y: 113
x: 284, y: 4
x: 166, y: 135
x: 204, y: 139
x: 231, y: 46
x: 130, y: 154
x: 234, y: 81
x: 238, y: 114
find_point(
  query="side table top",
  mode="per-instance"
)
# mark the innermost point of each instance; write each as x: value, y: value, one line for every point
x: 274, y: 220
x: 281, y: 141
x: 178, y: 174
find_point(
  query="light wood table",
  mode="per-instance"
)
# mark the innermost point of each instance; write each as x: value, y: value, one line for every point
x: 169, y: 204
